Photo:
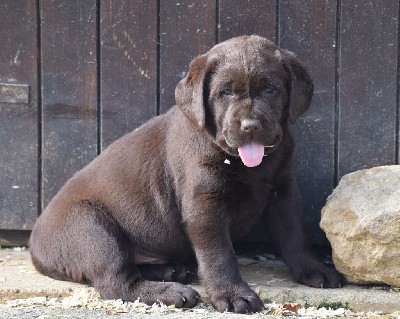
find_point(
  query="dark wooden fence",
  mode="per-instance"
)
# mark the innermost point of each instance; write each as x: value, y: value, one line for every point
x: 75, y: 75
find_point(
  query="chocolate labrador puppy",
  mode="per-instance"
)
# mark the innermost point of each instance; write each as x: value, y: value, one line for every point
x: 186, y: 184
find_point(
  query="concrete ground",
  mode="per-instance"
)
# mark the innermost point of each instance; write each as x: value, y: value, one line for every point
x: 24, y: 293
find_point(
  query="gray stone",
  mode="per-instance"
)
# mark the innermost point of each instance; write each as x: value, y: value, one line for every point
x: 361, y: 220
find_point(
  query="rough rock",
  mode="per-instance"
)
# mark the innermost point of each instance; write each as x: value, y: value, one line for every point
x: 361, y: 220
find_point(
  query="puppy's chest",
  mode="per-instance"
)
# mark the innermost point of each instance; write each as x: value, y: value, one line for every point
x: 247, y: 195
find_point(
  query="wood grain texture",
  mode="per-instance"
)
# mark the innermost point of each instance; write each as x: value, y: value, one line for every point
x: 308, y: 29
x: 18, y: 121
x: 240, y: 17
x: 187, y: 29
x: 104, y: 70
x: 69, y: 92
x: 128, y: 66
x: 367, y: 87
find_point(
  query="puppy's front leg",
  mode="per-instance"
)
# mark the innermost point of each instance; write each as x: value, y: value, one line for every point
x: 218, y: 269
x: 285, y: 228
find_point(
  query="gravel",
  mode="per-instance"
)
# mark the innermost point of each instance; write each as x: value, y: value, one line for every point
x: 86, y: 303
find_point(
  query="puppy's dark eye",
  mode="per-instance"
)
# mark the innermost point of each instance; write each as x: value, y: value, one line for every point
x: 226, y: 92
x: 271, y: 91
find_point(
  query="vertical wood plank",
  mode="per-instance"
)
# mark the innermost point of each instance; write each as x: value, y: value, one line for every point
x: 240, y: 17
x: 187, y: 29
x: 18, y: 122
x: 368, y: 81
x: 128, y: 66
x: 69, y: 90
x: 308, y: 28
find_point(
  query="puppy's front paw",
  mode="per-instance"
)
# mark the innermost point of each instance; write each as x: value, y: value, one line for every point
x: 169, y: 293
x: 235, y: 298
x: 321, y: 277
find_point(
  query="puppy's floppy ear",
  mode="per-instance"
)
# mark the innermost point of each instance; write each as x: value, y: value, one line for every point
x: 301, y: 86
x: 190, y: 91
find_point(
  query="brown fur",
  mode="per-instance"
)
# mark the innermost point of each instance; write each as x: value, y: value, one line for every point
x: 162, y: 196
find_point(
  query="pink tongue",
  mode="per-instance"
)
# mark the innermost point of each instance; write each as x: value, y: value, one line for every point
x: 251, y: 154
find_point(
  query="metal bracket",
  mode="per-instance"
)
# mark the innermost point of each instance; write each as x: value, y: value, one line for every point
x: 14, y: 93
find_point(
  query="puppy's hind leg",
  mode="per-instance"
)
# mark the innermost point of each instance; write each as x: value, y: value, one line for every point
x: 87, y: 244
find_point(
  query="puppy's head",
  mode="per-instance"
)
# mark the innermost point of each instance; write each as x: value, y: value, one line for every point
x: 243, y: 92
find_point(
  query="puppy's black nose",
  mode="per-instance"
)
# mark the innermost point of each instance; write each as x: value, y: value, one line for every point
x: 249, y: 126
